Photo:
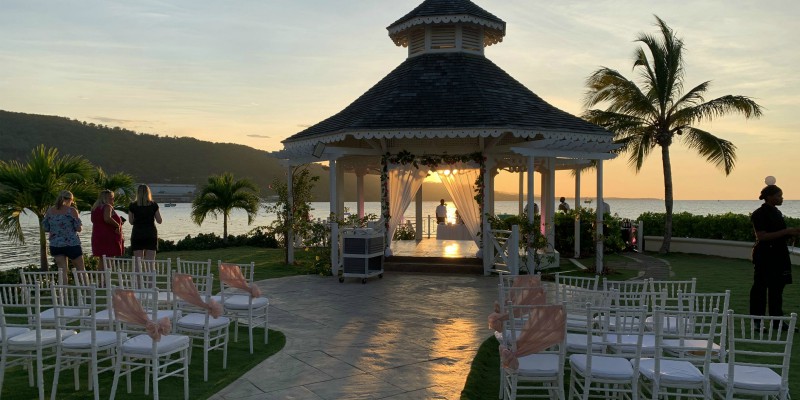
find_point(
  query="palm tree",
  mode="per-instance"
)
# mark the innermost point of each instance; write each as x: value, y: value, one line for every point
x: 120, y: 183
x: 34, y: 186
x: 658, y: 112
x: 221, y: 195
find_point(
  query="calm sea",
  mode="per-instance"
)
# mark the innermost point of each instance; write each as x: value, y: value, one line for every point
x: 178, y: 224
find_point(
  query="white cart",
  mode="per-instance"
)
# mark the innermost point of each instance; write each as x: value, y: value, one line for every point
x: 362, y: 254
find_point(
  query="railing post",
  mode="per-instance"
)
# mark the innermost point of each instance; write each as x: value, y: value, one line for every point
x: 640, y: 236
x: 513, y: 250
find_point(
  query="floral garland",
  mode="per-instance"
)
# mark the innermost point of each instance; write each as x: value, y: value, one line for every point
x: 385, y: 197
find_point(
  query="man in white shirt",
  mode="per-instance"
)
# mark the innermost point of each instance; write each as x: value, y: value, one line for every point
x: 441, y: 212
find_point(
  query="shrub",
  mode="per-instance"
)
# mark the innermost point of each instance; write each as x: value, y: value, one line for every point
x: 404, y: 232
x: 728, y: 226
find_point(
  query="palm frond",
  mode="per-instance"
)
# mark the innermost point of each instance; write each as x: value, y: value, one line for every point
x: 720, y: 152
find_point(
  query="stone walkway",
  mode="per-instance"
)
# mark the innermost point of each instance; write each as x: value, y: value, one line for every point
x: 406, y: 336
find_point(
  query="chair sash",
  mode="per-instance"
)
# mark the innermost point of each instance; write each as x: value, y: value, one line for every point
x: 525, y: 290
x: 128, y: 308
x: 232, y: 276
x: 543, y: 329
x: 183, y: 286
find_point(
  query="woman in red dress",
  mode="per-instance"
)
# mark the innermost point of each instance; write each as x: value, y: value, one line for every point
x: 107, y: 237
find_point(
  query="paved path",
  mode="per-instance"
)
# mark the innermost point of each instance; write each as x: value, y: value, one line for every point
x: 406, y: 336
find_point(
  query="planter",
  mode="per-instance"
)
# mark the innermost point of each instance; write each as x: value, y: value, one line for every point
x: 712, y: 247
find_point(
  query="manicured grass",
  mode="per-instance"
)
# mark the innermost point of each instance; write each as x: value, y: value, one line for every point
x: 240, y: 360
x: 714, y: 274
x: 269, y: 262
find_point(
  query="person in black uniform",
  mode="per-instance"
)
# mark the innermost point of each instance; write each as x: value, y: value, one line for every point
x: 143, y: 214
x: 772, y: 265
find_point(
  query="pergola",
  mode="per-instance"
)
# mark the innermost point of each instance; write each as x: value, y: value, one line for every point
x: 448, y: 99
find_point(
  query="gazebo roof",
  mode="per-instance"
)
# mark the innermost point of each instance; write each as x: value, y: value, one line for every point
x: 448, y: 11
x: 447, y: 95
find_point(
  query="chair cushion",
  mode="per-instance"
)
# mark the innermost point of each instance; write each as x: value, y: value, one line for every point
x: 83, y: 340
x: 671, y: 371
x: 746, y: 377
x: 143, y: 344
x: 539, y: 365
x: 49, y: 315
x: 240, y: 302
x: 576, y: 321
x: 103, y: 317
x: 673, y: 346
x: 669, y: 323
x: 12, y: 331
x: 627, y: 343
x: 48, y: 337
x: 576, y: 343
x: 197, y: 321
x: 602, y: 367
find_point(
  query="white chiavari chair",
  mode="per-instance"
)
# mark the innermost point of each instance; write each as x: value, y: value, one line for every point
x: 92, y: 346
x: 24, y: 341
x: 758, y: 358
x: 159, y: 352
x: 242, y: 299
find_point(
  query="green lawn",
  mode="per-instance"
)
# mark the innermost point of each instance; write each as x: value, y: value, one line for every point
x: 714, y: 274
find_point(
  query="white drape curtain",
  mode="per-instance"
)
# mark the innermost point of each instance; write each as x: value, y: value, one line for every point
x: 461, y: 187
x: 404, y: 181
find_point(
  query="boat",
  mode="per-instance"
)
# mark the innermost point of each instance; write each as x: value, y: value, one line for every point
x: 169, y: 205
x: 587, y: 200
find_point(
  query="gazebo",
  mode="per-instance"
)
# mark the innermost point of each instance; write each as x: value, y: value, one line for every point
x: 448, y: 107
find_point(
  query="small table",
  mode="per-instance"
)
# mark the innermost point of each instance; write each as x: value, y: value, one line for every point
x: 452, y: 232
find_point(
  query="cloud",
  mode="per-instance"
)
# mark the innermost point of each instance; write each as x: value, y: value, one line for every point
x: 258, y: 136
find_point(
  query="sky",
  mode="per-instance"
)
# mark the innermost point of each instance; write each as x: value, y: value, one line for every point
x: 255, y: 72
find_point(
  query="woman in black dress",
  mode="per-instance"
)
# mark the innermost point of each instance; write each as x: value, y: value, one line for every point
x: 143, y: 215
x: 772, y: 265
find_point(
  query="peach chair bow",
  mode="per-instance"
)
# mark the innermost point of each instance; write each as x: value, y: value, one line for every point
x: 128, y: 308
x: 543, y: 329
x: 232, y: 276
x: 183, y: 286
x: 525, y: 290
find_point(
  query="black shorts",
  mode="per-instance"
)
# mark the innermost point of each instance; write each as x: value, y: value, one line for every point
x: 71, y: 252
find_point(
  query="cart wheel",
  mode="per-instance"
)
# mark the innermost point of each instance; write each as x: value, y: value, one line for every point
x: 363, y: 281
x: 380, y: 276
x: 341, y: 279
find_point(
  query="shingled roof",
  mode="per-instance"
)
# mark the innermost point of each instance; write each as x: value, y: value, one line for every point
x: 430, y: 8
x: 448, y: 91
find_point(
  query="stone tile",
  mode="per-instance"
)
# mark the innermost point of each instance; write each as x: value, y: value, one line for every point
x: 443, y: 376
x: 296, y: 393
x: 330, y: 365
x: 240, y: 389
x: 363, y: 386
x: 284, y: 372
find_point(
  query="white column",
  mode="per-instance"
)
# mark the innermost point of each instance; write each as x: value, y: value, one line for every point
x: 486, y: 240
x: 577, y: 213
x: 418, y: 209
x: 549, y: 226
x: 521, y: 190
x: 334, y: 186
x: 530, y: 171
x: 340, y: 191
x: 290, y: 215
x: 490, y: 184
x: 599, y: 222
x: 360, y: 172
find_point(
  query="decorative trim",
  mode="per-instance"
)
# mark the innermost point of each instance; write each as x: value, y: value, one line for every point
x: 498, y: 29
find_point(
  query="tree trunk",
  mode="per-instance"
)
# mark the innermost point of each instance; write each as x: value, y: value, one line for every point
x: 665, y: 160
x: 224, y: 227
x: 42, y: 247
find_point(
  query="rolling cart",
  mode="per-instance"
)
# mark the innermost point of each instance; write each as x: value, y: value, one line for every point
x: 362, y: 254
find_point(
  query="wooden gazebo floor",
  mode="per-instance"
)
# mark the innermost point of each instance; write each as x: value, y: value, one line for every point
x: 431, y: 248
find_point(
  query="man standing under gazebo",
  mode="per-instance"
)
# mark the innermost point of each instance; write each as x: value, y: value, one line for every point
x: 441, y: 212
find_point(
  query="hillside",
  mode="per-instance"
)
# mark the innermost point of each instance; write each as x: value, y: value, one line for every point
x: 153, y: 158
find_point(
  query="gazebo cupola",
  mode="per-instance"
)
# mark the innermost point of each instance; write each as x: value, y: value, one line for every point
x: 438, y: 26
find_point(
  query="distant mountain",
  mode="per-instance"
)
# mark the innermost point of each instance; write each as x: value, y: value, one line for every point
x: 153, y: 158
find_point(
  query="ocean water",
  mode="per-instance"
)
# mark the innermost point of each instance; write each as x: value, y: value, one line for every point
x: 178, y: 224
